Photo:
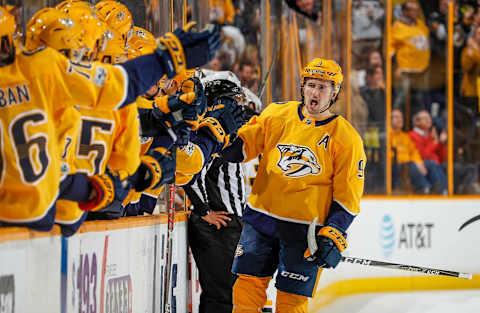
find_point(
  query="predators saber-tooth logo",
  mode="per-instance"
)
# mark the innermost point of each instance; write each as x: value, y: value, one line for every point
x: 297, y: 161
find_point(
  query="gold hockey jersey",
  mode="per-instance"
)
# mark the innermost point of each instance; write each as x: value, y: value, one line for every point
x: 106, y: 138
x: 36, y: 114
x: 305, y: 164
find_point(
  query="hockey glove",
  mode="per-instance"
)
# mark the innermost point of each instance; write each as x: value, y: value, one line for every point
x: 194, y: 84
x: 212, y: 128
x: 111, y: 191
x: 327, y: 247
x: 180, y: 113
x: 157, y: 169
x: 227, y: 111
x: 190, y: 49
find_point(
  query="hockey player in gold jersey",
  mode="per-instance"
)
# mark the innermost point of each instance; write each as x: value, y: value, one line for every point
x: 32, y: 136
x: 32, y: 79
x: 312, y: 167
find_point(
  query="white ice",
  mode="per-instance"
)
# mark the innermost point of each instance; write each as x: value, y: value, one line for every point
x: 458, y: 301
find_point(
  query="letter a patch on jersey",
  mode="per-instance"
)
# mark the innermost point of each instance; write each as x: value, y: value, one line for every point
x: 324, y: 141
x: 297, y: 161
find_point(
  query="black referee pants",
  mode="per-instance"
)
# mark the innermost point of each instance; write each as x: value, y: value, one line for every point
x: 213, y: 251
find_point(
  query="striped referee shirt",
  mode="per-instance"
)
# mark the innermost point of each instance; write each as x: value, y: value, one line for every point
x: 220, y: 186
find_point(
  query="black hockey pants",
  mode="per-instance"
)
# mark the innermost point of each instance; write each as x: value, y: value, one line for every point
x: 213, y: 251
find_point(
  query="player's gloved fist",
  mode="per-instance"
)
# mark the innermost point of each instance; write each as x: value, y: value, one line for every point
x: 212, y: 128
x: 199, y: 47
x: 158, y: 168
x: 227, y: 111
x: 331, y: 243
x: 179, y: 112
x: 189, y: 49
x: 111, y: 189
x: 193, y: 84
x: 175, y: 103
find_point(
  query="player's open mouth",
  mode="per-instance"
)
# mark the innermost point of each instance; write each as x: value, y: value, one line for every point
x: 313, y: 103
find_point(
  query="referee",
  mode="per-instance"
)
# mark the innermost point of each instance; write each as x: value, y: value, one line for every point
x: 214, y: 228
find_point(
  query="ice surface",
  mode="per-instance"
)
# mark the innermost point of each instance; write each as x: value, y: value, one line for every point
x: 458, y: 301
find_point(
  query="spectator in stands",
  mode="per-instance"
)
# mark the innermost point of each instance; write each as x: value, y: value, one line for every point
x: 407, y: 162
x: 246, y: 72
x: 432, y: 149
x: 437, y: 23
x: 215, y: 64
x: 367, y: 24
x: 249, y: 22
x: 465, y: 170
x: 411, y: 47
x: 309, y: 8
x: 374, y: 95
x: 373, y: 59
x: 470, y: 61
x: 221, y: 11
x: 475, y: 21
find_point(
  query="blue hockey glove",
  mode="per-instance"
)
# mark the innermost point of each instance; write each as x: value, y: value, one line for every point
x: 193, y: 84
x: 326, y: 247
x: 111, y: 190
x: 213, y: 129
x: 228, y: 113
x: 189, y: 49
x: 180, y: 113
x: 160, y: 165
x: 199, y: 47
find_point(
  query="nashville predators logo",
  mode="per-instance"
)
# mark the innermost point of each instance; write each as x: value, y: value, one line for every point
x: 238, y: 251
x: 297, y: 161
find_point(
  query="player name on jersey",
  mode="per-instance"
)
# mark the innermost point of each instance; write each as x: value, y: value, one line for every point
x: 14, y: 95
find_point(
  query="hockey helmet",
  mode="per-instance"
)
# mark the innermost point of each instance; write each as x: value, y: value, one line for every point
x: 115, y: 51
x: 141, y: 43
x: 222, y: 83
x: 95, y: 33
x: 53, y: 28
x: 324, y: 69
x: 117, y: 16
x: 69, y: 3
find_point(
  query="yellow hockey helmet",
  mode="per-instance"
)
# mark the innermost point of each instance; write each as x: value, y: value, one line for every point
x: 117, y: 17
x: 115, y: 51
x: 141, y: 43
x: 95, y: 33
x: 53, y: 28
x: 69, y: 3
x: 7, y: 23
x: 324, y: 69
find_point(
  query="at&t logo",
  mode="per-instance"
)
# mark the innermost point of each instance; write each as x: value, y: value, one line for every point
x: 387, y: 235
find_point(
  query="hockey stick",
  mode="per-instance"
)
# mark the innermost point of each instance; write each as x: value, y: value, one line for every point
x: 404, y: 267
x: 313, y: 247
x: 169, y: 248
x: 167, y: 292
x: 261, y: 88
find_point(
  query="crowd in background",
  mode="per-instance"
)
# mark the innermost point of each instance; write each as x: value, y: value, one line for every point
x: 419, y: 35
x: 418, y: 134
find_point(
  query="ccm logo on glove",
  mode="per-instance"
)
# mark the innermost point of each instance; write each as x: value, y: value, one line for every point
x: 294, y: 276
